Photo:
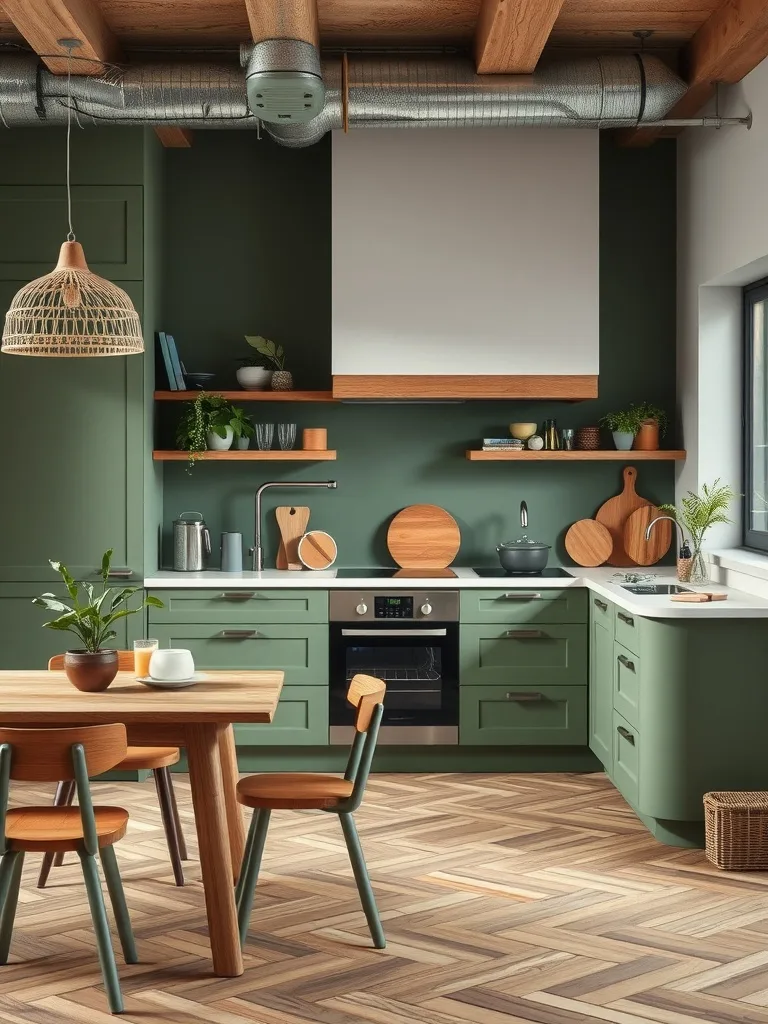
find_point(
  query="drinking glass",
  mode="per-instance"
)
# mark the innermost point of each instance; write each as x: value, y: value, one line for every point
x: 566, y: 438
x: 286, y: 435
x: 142, y: 652
x: 264, y: 434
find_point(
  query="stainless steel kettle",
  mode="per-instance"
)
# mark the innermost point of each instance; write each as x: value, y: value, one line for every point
x: 191, y: 543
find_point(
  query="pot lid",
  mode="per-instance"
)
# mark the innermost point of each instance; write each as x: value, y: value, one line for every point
x: 524, y: 543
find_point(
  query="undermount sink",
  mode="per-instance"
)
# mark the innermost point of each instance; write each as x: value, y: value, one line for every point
x: 650, y: 589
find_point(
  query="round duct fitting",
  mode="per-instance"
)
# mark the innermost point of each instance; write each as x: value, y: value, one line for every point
x: 284, y: 81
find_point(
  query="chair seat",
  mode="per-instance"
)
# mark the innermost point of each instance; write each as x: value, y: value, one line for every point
x: 59, y: 829
x: 293, y: 790
x: 148, y: 758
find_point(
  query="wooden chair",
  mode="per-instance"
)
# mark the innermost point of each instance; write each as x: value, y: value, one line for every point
x: 304, y: 790
x: 48, y: 755
x: 158, y: 760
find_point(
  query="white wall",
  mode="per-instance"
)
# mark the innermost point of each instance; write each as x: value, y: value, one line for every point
x: 465, y: 251
x: 722, y: 245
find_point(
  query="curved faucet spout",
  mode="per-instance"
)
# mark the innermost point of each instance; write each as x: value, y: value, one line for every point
x: 658, y: 519
x: 257, y: 551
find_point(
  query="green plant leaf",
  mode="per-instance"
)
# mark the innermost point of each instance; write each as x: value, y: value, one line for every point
x: 67, y: 576
x: 153, y: 602
x: 106, y: 561
x: 52, y: 604
x: 121, y: 596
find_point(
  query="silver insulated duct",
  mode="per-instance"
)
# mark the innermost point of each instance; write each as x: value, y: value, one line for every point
x: 375, y: 92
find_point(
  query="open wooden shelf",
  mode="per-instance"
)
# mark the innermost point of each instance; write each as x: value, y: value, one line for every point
x: 248, y: 396
x: 247, y: 456
x: 576, y: 456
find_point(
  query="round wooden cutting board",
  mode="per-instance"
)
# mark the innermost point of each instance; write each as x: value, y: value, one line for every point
x: 614, y: 514
x: 423, y: 537
x: 642, y: 551
x: 588, y: 542
x: 317, y: 550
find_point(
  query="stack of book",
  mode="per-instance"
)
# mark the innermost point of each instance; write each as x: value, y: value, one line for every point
x: 502, y: 444
x: 171, y: 362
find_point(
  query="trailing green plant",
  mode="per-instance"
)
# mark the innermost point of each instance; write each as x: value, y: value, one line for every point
x: 273, y: 353
x: 697, y: 512
x: 626, y: 421
x: 91, y: 620
x: 648, y: 411
x: 208, y: 412
x: 241, y: 423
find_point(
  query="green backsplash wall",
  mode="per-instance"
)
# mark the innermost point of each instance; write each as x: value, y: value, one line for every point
x: 248, y: 248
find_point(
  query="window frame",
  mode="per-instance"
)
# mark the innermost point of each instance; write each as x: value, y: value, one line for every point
x: 755, y: 540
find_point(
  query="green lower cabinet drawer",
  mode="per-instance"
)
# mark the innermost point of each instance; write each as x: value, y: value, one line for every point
x: 626, y: 684
x: 300, y: 651
x: 524, y: 604
x: 535, y: 716
x: 626, y: 759
x: 524, y: 656
x: 239, y: 605
x: 628, y: 630
x: 301, y: 719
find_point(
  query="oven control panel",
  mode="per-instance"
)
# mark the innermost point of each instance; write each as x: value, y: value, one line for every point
x: 393, y: 607
x: 404, y: 606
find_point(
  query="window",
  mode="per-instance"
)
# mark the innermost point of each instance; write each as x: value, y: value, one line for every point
x: 756, y: 416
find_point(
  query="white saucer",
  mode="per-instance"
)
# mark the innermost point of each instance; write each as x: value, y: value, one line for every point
x: 172, y: 684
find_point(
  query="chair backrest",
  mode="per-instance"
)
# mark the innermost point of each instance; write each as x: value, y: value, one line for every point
x: 364, y: 693
x: 124, y: 661
x: 45, y: 755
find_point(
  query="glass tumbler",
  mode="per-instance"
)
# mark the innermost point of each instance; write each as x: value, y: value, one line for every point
x: 567, y: 439
x: 142, y: 652
x: 286, y: 435
x: 264, y: 434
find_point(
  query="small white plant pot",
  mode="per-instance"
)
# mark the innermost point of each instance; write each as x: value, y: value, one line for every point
x: 243, y: 443
x: 623, y: 440
x: 254, y: 378
x: 219, y: 444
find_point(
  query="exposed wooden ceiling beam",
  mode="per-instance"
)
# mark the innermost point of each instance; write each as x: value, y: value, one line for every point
x: 173, y: 137
x: 730, y: 44
x: 511, y: 34
x: 44, y: 22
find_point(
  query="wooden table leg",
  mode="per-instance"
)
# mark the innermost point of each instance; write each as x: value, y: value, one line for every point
x: 208, y: 799
x: 229, y: 777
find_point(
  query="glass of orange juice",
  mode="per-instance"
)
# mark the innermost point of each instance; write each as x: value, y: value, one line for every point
x: 142, y: 652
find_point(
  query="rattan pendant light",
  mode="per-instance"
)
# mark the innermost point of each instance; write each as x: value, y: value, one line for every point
x: 71, y: 311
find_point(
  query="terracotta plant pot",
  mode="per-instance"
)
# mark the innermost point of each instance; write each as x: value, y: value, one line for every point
x: 89, y: 671
x: 647, y: 437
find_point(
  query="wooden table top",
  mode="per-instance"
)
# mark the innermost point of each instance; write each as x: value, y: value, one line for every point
x: 225, y: 697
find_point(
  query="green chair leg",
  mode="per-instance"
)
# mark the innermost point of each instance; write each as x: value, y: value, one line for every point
x: 363, y: 881
x: 250, y: 872
x: 101, y: 929
x: 246, y: 856
x: 119, y: 906
x: 10, y: 881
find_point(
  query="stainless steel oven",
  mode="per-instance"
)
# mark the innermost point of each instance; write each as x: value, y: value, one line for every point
x: 410, y: 639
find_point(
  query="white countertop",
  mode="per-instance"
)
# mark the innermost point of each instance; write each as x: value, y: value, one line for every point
x: 601, y: 581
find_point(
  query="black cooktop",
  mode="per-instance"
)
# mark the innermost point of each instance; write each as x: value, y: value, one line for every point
x: 498, y: 573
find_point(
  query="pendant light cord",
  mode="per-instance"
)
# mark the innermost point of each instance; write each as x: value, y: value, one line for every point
x: 71, y: 232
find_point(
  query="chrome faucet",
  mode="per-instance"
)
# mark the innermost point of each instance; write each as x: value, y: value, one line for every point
x: 681, y: 535
x: 257, y: 551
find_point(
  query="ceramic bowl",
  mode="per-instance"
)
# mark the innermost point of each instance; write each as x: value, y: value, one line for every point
x: 169, y: 664
x: 522, y: 431
x: 254, y: 378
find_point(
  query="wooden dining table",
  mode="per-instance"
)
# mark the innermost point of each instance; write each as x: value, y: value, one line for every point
x: 199, y: 719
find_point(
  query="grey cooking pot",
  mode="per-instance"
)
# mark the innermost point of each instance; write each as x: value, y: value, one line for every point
x: 523, y: 555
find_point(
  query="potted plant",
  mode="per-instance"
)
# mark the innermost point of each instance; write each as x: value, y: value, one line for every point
x: 696, y: 513
x: 282, y: 379
x: 205, y: 424
x: 253, y: 375
x: 91, y: 667
x: 653, y: 425
x: 623, y: 425
x: 242, y: 427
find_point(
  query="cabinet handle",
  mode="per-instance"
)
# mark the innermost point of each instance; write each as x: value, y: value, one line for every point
x: 236, y: 634
x: 523, y: 698
x: 522, y: 595
x: 526, y: 634
x: 623, y: 660
x: 122, y: 574
x: 237, y: 595
x: 626, y: 618
x: 601, y: 605
x: 625, y: 734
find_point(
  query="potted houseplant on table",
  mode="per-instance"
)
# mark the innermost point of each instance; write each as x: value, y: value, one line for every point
x: 274, y: 354
x: 623, y: 425
x: 91, y: 667
x: 696, y: 514
x: 653, y: 425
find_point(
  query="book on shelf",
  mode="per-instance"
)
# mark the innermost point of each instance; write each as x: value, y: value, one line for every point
x: 503, y: 448
x: 175, y: 363
x: 165, y: 356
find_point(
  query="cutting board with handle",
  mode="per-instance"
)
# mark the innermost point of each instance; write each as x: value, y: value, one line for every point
x: 640, y: 550
x: 588, y: 542
x: 292, y: 521
x: 423, y: 537
x: 614, y: 514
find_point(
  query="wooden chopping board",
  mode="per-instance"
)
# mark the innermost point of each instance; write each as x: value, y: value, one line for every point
x: 588, y: 542
x: 423, y: 537
x: 640, y: 550
x: 615, y: 512
x: 317, y: 550
x: 292, y: 520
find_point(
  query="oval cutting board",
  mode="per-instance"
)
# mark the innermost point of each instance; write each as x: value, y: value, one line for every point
x: 615, y: 512
x: 588, y: 542
x: 423, y: 537
x: 642, y: 551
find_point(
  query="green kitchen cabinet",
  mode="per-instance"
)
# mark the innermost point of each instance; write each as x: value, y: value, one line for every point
x: 301, y: 719
x: 523, y: 716
x: 601, y: 661
x: 626, y: 683
x: 524, y: 605
x: 240, y: 606
x: 546, y: 655
x: 626, y: 760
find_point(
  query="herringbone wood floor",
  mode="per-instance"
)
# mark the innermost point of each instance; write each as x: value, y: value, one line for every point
x: 506, y: 898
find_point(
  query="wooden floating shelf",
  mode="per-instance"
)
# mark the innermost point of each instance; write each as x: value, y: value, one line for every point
x: 247, y: 456
x: 248, y: 396
x: 576, y: 456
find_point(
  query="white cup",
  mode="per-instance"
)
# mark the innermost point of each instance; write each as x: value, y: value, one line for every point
x: 171, y: 663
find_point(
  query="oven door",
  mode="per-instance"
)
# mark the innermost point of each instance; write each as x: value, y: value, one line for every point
x: 420, y: 666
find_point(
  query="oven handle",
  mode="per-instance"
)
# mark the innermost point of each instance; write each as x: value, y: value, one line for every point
x: 378, y: 633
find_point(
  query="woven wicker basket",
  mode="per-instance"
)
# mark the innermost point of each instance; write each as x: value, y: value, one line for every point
x: 736, y: 829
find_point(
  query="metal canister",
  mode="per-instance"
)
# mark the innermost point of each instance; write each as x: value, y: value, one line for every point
x: 191, y: 543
